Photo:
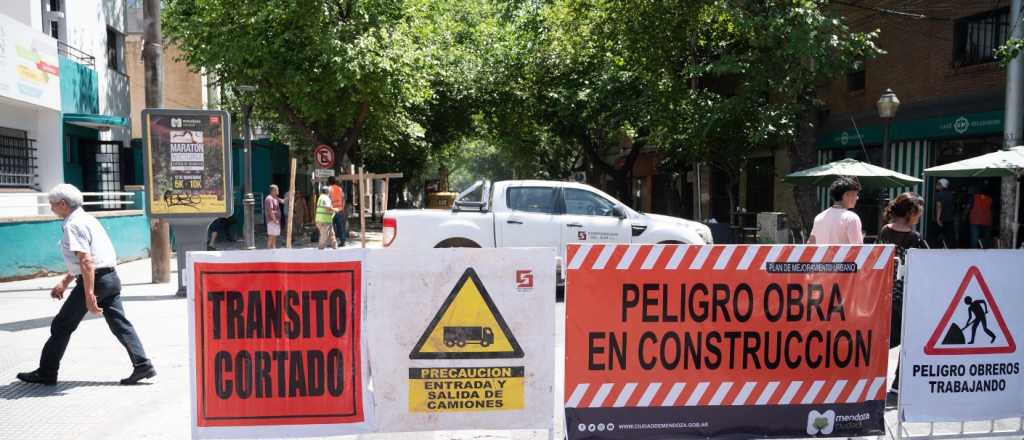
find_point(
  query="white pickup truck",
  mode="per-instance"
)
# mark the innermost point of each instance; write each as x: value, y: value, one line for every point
x: 534, y: 213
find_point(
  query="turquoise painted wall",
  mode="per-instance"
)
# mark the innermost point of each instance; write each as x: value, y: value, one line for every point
x: 73, y: 163
x: 79, y: 88
x: 37, y: 251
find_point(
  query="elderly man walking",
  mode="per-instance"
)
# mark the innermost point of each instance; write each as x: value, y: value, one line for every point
x: 90, y: 260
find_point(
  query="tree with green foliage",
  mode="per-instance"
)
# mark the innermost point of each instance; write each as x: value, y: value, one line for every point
x: 331, y: 72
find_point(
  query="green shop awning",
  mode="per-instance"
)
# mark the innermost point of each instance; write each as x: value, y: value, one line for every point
x: 945, y: 127
x: 95, y: 121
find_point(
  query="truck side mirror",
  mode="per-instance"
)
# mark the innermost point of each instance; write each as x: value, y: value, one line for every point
x: 619, y: 212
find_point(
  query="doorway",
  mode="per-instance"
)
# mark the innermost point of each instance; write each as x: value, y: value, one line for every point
x: 101, y: 171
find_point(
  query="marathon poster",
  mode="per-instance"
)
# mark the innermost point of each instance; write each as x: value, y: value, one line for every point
x: 770, y: 341
x: 277, y: 344
x: 187, y: 164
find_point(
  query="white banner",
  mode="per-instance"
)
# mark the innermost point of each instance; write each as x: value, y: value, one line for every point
x: 462, y: 338
x: 277, y: 344
x: 963, y: 320
x: 29, y: 68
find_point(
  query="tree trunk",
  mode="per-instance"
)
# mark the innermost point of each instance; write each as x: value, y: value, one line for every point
x: 803, y: 155
x: 159, y: 230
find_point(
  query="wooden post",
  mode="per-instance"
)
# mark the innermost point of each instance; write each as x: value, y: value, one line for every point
x: 291, y: 205
x: 362, y: 199
x: 152, y: 56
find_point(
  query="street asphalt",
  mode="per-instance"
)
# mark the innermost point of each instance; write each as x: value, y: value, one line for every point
x: 89, y: 403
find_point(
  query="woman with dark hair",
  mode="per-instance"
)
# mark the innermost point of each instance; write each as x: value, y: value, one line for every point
x: 901, y: 215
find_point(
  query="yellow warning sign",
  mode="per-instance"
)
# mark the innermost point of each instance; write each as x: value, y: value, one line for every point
x: 465, y: 389
x: 468, y: 326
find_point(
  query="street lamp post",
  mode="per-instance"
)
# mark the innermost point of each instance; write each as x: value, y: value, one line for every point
x: 887, y: 105
x: 248, y: 200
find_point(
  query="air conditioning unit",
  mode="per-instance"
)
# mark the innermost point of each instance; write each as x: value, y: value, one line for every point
x: 772, y: 228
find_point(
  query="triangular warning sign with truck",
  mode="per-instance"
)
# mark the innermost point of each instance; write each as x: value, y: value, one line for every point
x: 984, y: 330
x: 468, y: 326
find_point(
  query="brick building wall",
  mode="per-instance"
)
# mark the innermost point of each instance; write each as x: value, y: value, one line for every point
x: 182, y: 87
x: 919, y: 62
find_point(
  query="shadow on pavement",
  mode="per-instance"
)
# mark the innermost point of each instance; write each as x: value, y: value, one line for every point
x: 31, y: 324
x: 21, y: 390
x: 170, y: 297
x: 34, y: 323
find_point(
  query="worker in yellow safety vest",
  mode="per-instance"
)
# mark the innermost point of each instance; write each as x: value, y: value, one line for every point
x: 325, y: 218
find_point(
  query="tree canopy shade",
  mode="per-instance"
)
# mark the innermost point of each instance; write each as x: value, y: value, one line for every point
x: 540, y: 87
x: 334, y: 72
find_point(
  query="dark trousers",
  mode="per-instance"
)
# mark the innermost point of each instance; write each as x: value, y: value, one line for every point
x: 340, y: 225
x: 942, y: 236
x: 108, y: 295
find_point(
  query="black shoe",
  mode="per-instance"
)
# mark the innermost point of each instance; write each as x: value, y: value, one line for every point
x: 35, y: 377
x: 139, y: 373
x: 210, y: 247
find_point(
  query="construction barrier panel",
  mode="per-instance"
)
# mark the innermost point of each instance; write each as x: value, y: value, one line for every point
x: 276, y: 344
x: 963, y: 319
x: 672, y: 341
x: 462, y: 338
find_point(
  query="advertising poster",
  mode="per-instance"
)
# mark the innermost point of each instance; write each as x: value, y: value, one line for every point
x: 188, y: 163
x: 277, y: 344
x: 462, y: 338
x: 961, y: 358
x: 679, y: 341
x: 29, y: 68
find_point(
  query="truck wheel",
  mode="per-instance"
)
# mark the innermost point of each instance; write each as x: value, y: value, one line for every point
x: 484, y: 344
x: 461, y: 343
x: 457, y: 243
x: 449, y: 343
x: 670, y: 242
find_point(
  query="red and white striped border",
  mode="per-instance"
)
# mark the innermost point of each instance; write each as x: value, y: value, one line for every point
x: 720, y: 257
x: 796, y: 392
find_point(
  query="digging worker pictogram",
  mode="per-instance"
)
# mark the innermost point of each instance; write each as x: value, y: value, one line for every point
x: 976, y: 310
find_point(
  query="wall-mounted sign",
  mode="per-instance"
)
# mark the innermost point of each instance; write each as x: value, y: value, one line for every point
x: 29, y: 68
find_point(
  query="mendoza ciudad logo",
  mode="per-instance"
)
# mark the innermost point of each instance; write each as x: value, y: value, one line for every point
x: 826, y: 422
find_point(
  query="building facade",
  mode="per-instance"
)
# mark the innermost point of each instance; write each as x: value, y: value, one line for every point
x: 940, y: 61
x: 64, y: 117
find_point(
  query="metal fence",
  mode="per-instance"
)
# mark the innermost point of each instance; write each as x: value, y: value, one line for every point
x: 17, y: 162
x: 76, y: 54
x: 93, y: 200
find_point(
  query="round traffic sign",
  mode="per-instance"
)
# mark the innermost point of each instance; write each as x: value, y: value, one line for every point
x: 323, y: 155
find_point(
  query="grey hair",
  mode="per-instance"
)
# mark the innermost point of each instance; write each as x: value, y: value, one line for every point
x: 273, y: 187
x: 68, y: 193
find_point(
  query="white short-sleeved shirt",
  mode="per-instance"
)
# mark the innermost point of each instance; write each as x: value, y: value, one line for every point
x: 83, y: 233
x: 837, y: 226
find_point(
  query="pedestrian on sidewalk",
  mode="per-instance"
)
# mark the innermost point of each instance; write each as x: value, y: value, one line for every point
x: 902, y: 215
x: 979, y: 216
x: 272, y: 216
x: 839, y: 224
x: 944, y: 224
x: 340, y: 216
x: 325, y: 218
x: 90, y: 260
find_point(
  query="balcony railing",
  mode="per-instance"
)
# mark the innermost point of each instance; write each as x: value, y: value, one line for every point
x: 76, y: 54
x: 17, y: 162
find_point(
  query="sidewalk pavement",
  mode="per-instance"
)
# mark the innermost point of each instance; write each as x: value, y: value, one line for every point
x: 89, y: 403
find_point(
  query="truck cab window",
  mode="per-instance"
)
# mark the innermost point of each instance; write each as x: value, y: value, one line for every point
x: 580, y: 202
x: 531, y: 199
